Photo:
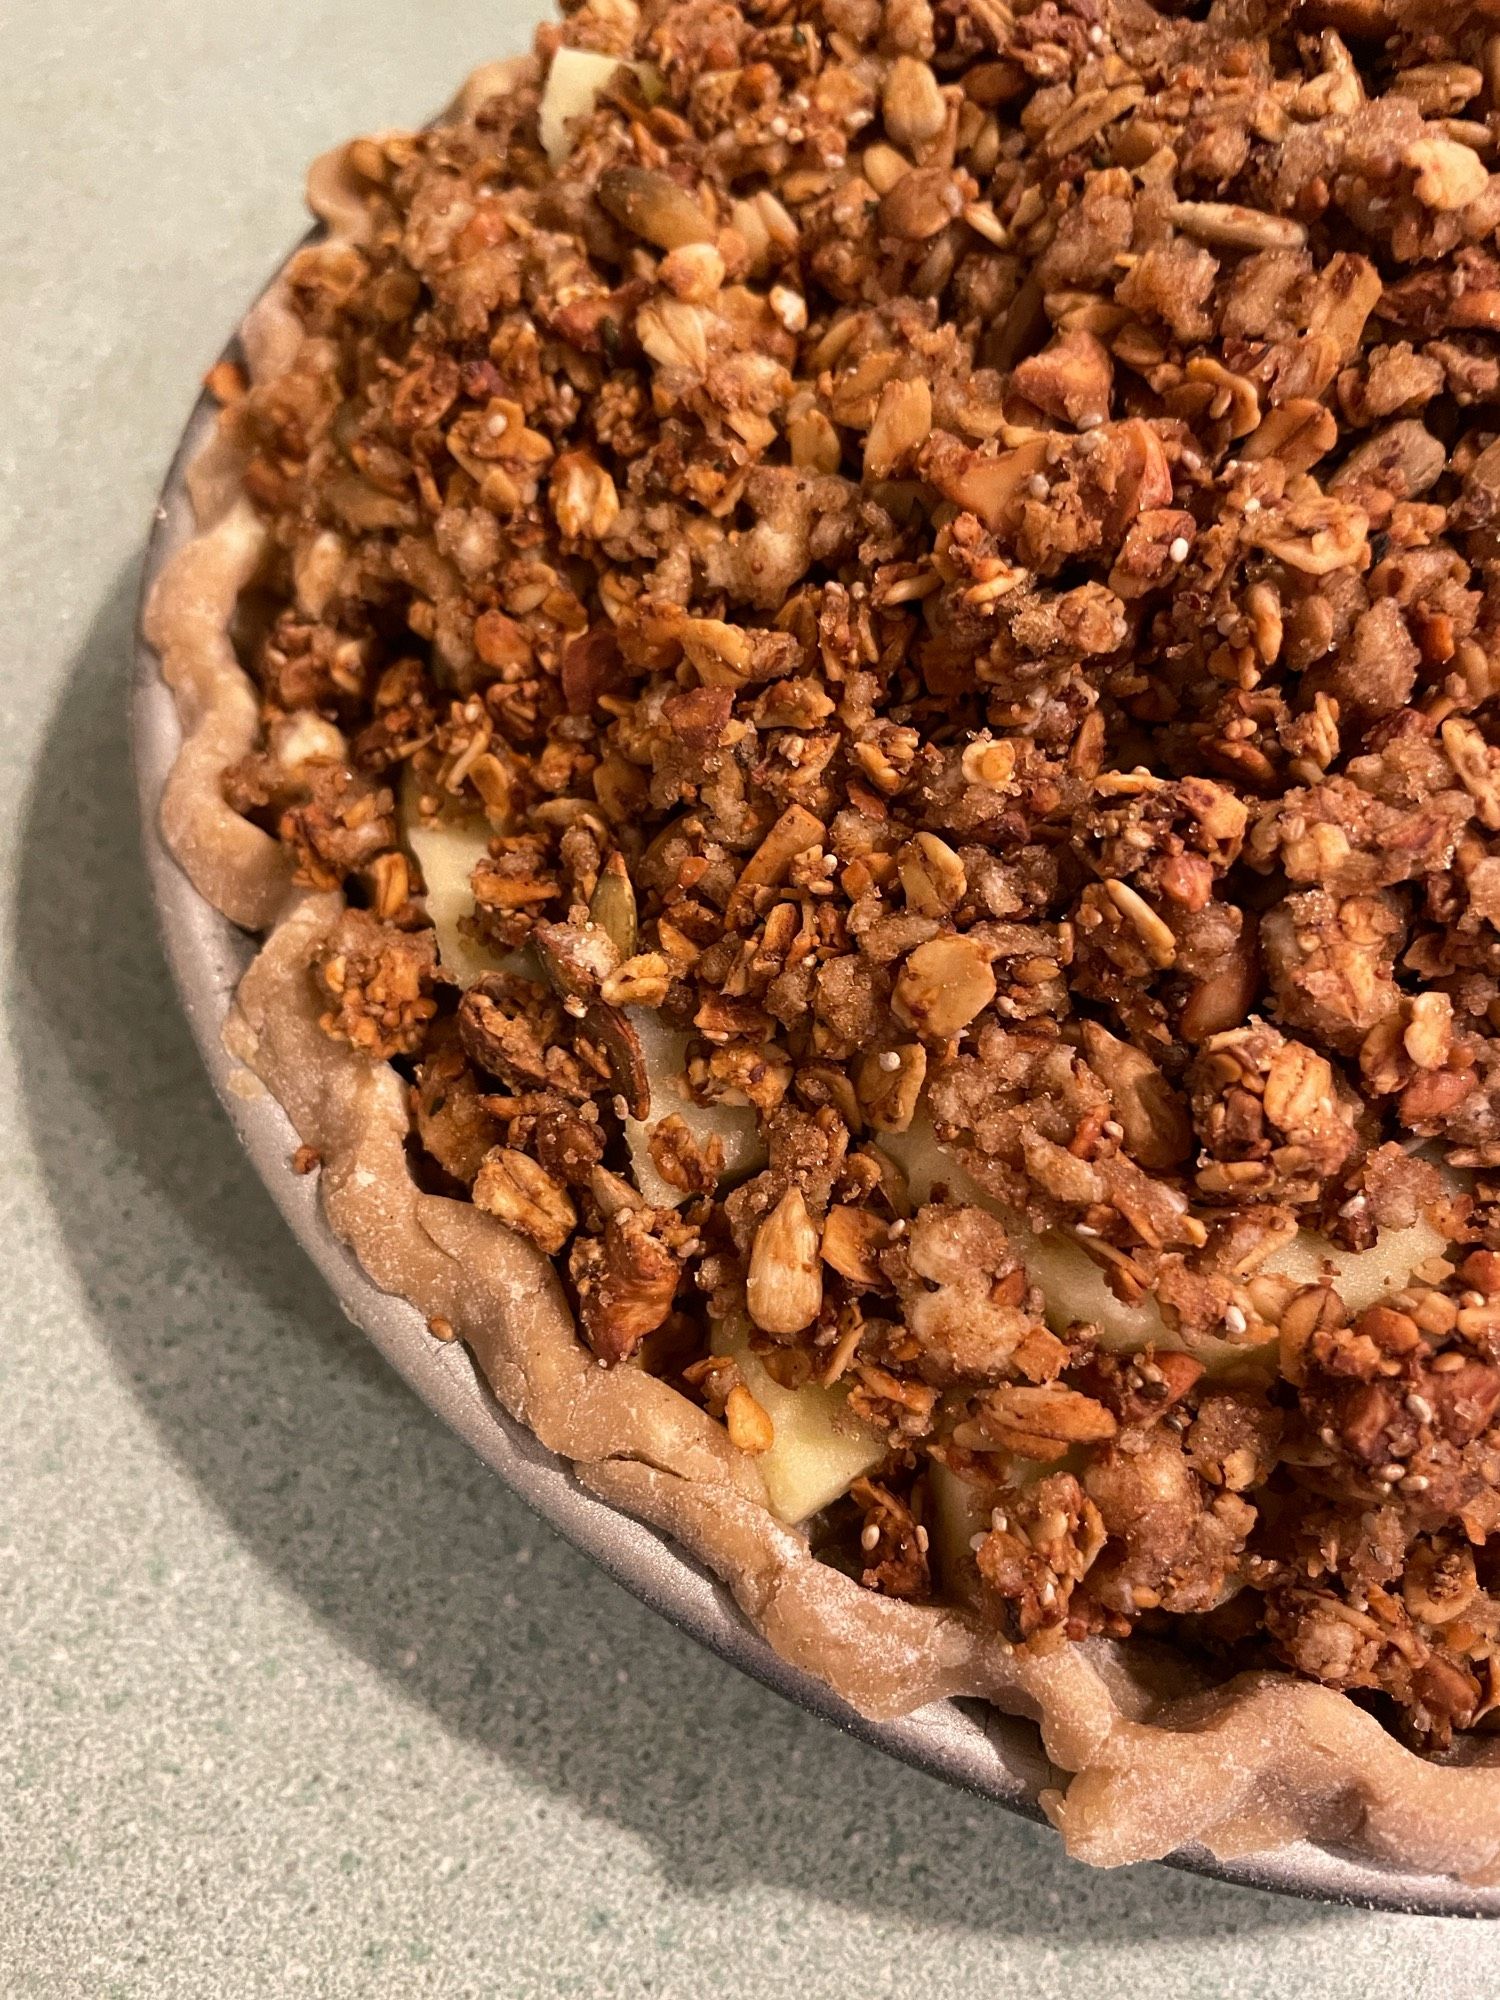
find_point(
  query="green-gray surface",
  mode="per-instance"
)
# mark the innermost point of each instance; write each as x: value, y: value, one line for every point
x: 296, y: 1697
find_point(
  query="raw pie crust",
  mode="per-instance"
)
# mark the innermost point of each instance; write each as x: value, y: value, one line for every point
x: 1148, y: 1757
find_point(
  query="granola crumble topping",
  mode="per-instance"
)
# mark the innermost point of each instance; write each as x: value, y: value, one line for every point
x: 944, y: 558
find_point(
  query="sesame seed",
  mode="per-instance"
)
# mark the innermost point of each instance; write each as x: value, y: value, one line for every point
x: 1083, y: 1229
x: 1414, y: 1482
x: 1252, y: 505
x: 1420, y: 1408
x: 574, y: 1006
x: 888, y: 1060
x: 1112, y: 1129
x: 1096, y: 35
x: 1447, y: 1364
x: 1354, y: 1205
x: 1178, y: 548
x: 977, y: 1542
x: 1037, y: 487
x: 922, y: 1541
x: 869, y: 1536
x: 1394, y: 1471
x: 1235, y: 1320
x: 999, y: 1520
x: 898, y: 1230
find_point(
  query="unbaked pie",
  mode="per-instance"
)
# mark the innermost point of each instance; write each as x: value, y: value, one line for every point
x: 849, y: 655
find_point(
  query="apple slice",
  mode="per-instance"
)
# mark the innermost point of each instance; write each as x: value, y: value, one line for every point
x: 1363, y: 1276
x: 446, y: 851
x: 820, y: 1448
x: 959, y: 1513
x: 1074, y: 1284
x: 734, y: 1125
x: 1076, y: 1287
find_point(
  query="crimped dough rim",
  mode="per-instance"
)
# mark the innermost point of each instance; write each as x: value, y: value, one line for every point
x: 1148, y: 1758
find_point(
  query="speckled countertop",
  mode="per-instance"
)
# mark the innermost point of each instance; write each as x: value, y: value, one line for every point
x: 296, y: 1698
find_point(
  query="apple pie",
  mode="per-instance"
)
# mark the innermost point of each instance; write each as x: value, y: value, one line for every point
x: 848, y: 655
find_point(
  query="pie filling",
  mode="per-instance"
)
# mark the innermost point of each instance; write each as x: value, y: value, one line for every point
x: 888, y: 617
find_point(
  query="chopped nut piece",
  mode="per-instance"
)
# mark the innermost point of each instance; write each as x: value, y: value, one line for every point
x: 784, y: 1290
x: 1476, y: 765
x: 1154, y: 1123
x: 750, y: 1428
x: 513, y: 1187
x: 626, y: 1283
x: 902, y: 422
x: 932, y: 876
x: 852, y: 1237
x: 920, y: 204
x: 1428, y: 1039
x: 1055, y: 1413
x: 640, y: 982
x: 1448, y: 175
x: 795, y: 832
x: 943, y: 985
x: 583, y: 496
x: 1070, y: 379
x: 889, y: 1084
x: 987, y: 763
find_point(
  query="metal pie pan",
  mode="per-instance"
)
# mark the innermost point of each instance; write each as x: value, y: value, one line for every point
x: 967, y: 1743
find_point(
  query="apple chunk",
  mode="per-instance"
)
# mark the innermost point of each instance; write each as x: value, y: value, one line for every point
x: 1362, y: 1276
x: 734, y: 1125
x: 447, y: 851
x: 959, y: 1513
x: 820, y: 1447
x: 1073, y: 1283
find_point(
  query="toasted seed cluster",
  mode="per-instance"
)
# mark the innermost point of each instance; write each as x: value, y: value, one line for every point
x: 953, y: 547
